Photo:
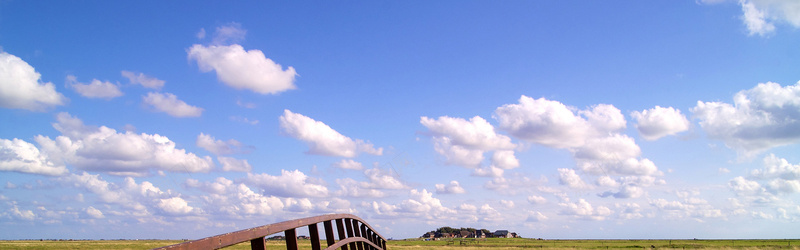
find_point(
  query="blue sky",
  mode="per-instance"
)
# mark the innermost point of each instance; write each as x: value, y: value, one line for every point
x: 580, y: 119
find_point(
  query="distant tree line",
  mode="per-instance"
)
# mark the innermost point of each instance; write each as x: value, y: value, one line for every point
x: 452, y: 230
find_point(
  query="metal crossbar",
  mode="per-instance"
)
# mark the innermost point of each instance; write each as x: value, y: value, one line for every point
x: 354, y: 234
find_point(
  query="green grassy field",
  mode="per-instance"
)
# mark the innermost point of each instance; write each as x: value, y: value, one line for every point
x: 488, y: 244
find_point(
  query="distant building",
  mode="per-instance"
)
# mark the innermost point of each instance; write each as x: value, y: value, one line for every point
x: 501, y: 234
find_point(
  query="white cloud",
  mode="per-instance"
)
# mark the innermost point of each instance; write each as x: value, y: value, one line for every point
x: 755, y: 19
x: 348, y: 164
x: 289, y: 184
x: 536, y: 217
x: 175, y: 206
x: 322, y: 139
x: 20, y: 156
x: 96, y: 89
x: 136, y: 199
x: 94, y: 213
x: 760, y: 118
x: 420, y: 204
x: 583, y: 210
x: 169, y: 103
x: 778, y: 176
x: 536, y: 200
x: 242, y: 69
x: 144, y: 80
x: 569, y: 178
x: 20, y: 86
x: 383, y: 179
x: 490, y: 171
x: 659, y: 122
x: 553, y: 124
x: 103, y: 149
x: 775, y: 167
x: 464, y: 142
x: 505, y: 159
x: 457, y: 154
x: 233, y: 164
x: 235, y: 200
x: 476, y: 133
x: 629, y: 211
x: 452, y: 188
x: 218, y: 147
x: 613, y: 155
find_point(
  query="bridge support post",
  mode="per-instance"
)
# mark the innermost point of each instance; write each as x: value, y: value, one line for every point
x: 356, y: 233
x: 340, y: 228
x: 329, y: 232
x: 291, y: 239
x: 258, y: 244
x: 314, y: 232
x: 348, y: 223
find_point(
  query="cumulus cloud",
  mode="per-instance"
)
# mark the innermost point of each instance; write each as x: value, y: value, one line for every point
x: 136, y: 199
x: 776, y: 177
x: 569, y: 178
x: 104, y: 149
x: 760, y: 118
x: 219, y: 147
x: 175, y: 206
x: 20, y: 156
x: 554, y: 124
x: 453, y: 188
x: 420, y: 204
x: 592, y: 135
x: 233, y: 164
x: 20, y: 86
x: 760, y: 15
x: 659, y: 122
x: 241, y: 69
x: 94, y: 213
x: 96, y: 89
x: 289, y: 184
x: 535, y: 199
x: 583, y: 210
x: 464, y: 142
x: 383, y: 179
x: 169, y: 103
x: 613, y: 155
x: 348, y: 164
x: 322, y: 139
x: 235, y: 200
x: 144, y: 80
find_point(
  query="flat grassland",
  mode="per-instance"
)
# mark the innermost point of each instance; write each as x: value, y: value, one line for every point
x: 414, y: 244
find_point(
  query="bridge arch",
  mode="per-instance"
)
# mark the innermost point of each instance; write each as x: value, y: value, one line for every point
x: 354, y: 234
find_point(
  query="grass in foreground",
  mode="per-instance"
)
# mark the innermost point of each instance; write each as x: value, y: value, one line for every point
x: 414, y: 244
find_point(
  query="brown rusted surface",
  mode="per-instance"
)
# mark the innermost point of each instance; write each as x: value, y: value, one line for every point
x: 232, y: 238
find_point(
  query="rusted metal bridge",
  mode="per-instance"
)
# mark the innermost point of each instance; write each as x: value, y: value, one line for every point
x: 354, y: 234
